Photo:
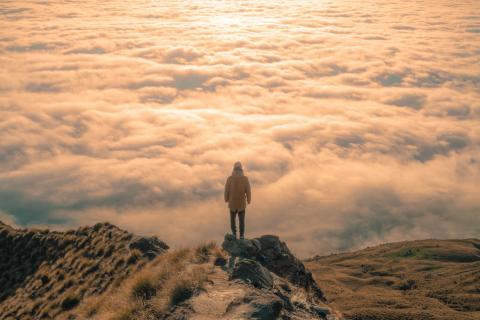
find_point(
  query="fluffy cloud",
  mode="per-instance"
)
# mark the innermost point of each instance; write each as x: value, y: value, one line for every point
x: 357, y: 124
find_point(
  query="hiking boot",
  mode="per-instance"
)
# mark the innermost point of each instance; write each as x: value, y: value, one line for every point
x: 234, y: 235
x: 241, y: 237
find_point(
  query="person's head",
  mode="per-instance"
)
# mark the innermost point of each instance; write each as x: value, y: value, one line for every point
x: 237, y: 166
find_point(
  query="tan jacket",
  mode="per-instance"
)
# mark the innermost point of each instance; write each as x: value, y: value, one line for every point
x: 237, y: 188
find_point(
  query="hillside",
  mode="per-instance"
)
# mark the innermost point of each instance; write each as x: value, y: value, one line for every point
x: 44, y: 273
x: 243, y: 279
x: 103, y: 272
x: 426, y: 279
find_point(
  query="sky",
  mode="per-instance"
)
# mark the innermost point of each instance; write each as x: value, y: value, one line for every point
x: 357, y: 122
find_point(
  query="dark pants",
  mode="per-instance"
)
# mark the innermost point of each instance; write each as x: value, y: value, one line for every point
x: 241, y: 218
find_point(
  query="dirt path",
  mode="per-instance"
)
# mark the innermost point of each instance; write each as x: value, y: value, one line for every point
x: 219, y: 294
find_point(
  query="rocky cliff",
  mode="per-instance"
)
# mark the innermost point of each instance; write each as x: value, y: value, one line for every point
x: 280, y: 287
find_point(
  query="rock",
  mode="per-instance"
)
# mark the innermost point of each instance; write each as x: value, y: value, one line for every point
x: 255, y: 305
x: 276, y: 257
x: 246, y: 248
x: 267, y: 308
x: 321, y: 311
x: 254, y: 273
x: 149, y: 246
x: 287, y: 302
x: 220, y: 261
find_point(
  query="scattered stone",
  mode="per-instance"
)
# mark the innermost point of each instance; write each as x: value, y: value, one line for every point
x: 253, y: 273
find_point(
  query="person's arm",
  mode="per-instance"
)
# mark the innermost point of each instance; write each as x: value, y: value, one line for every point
x: 248, y: 192
x: 227, y: 190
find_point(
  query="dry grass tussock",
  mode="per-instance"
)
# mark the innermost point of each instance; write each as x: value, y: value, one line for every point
x: 165, y: 282
x: 424, y: 279
x: 44, y: 274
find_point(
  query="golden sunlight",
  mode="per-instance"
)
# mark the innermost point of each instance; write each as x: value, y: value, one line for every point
x: 356, y: 122
x: 227, y: 159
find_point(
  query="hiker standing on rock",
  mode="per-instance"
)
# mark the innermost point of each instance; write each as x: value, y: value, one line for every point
x: 237, y: 194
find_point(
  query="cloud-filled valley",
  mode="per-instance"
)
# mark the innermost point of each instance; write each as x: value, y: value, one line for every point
x: 357, y: 123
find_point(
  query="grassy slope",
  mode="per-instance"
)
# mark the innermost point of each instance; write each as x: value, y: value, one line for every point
x: 44, y: 273
x: 165, y: 282
x: 427, y: 279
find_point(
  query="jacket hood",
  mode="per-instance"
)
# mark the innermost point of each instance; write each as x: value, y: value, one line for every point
x: 237, y: 172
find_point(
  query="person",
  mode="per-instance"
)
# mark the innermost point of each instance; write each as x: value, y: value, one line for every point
x: 237, y: 194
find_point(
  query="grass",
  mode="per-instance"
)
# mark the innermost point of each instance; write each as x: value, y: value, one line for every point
x: 425, y: 279
x: 70, y: 302
x: 144, y: 289
x: 91, y: 273
x: 167, y: 281
x: 186, y: 285
x: 203, y: 250
x: 433, y: 253
x: 58, y: 270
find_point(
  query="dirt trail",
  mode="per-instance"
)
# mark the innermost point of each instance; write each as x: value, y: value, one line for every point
x: 219, y: 295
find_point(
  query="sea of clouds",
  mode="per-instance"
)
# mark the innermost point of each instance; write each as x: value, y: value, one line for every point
x: 357, y: 122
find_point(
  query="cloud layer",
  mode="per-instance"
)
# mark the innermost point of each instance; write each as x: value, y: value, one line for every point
x: 357, y: 123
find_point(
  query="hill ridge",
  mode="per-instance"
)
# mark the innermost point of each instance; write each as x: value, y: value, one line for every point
x: 72, y: 274
x: 44, y: 273
x: 419, y: 279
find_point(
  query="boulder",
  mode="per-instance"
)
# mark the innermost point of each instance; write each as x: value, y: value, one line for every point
x: 246, y: 248
x: 252, y: 272
x: 276, y: 257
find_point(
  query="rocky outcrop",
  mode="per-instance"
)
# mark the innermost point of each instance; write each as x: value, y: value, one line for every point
x: 274, y: 255
x: 43, y: 273
x: 281, y: 285
x: 46, y: 275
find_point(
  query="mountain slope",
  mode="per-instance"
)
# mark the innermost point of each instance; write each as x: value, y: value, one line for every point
x: 245, y: 279
x: 425, y: 279
x: 44, y: 273
x: 103, y: 272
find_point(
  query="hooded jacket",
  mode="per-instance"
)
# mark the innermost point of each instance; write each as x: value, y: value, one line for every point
x: 237, y: 190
